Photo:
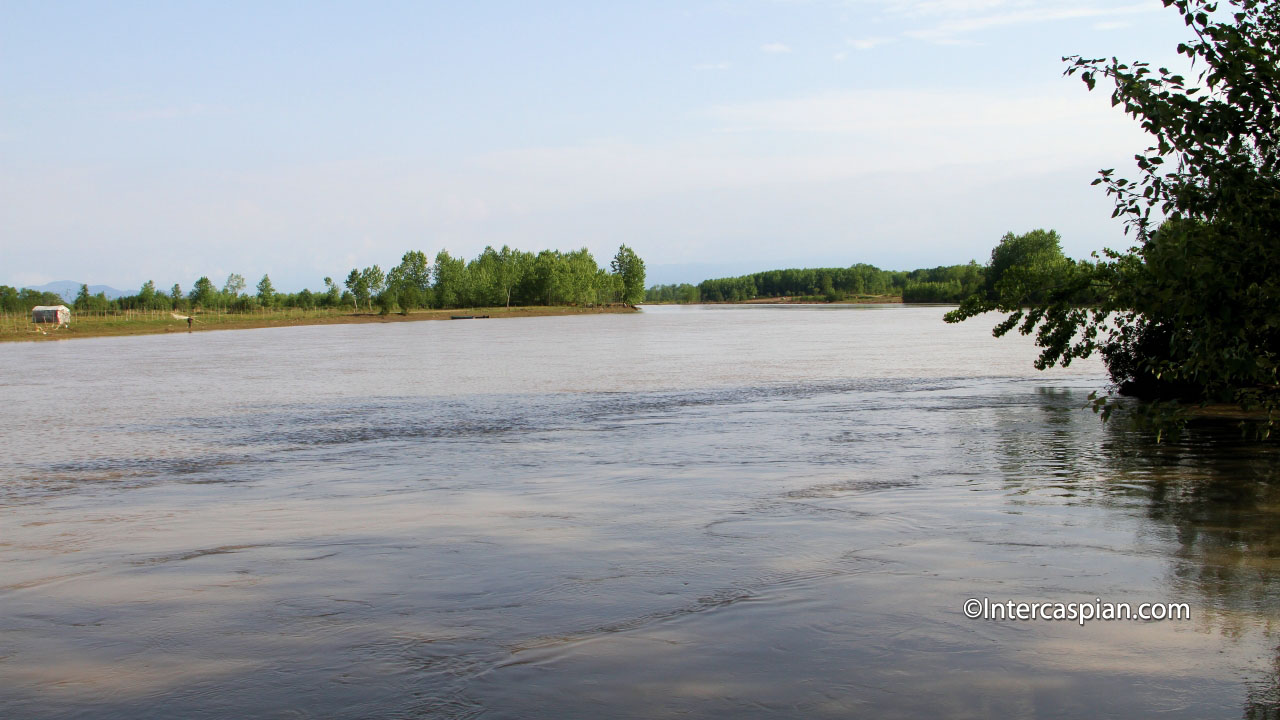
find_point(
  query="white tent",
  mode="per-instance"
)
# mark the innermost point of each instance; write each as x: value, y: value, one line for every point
x: 57, y: 314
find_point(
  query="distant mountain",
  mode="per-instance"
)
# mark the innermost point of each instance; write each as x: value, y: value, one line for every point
x: 69, y: 289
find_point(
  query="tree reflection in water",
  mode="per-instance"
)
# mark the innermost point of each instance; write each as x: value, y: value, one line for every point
x: 1216, y: 495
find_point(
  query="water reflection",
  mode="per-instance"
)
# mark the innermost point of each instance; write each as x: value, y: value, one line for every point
x: 1220, y: 496
x: 1211, y: 495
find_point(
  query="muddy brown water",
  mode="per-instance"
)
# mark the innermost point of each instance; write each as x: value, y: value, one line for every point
x: 748, y: 512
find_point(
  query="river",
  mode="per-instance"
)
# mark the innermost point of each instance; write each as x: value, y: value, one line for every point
x: 706, y: 511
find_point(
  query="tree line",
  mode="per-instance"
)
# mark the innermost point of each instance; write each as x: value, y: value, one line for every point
x: 13, y: 300
x: 503, y: 277
x: 494, y: 278
x: 943, y: 284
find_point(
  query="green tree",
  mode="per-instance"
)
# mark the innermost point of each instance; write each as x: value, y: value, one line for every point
x: 546, y: 277
x: 828, y: 289
x: 10, y: 300
x: 450, y: 275
x: 579, y: 276
x: 266, y: 292
x: 15, y: 300
x: 359, y: 287
x: 606, y: 288
x: 332, y: 293
x: 95, y: 303
x: 1042, y: 291
x: 508, y: 268
x: 1192, y: 311
x: 385, y: 300
x: 234, y: 286
x: 203, y: 293
x: 374, y: 282
x: 409, y: 283
x: 627, y: 265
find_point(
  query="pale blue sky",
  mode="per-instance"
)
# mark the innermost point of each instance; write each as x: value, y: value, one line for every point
x: 168, y: 140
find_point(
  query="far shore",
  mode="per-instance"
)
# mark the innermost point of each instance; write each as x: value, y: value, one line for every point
x: 798, y: 300
x: 868, y: 299
x: 18, y: 329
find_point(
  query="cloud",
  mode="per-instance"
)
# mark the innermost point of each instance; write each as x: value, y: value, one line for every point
x: 933, y: 8
x: 713, y: 195
x: 1112, y: 25
x: 775, y: 48
x: 734, y: 173
x: 963, y: 17
x: 868, y: 43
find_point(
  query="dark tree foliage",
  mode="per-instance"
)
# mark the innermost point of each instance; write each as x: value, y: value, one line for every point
x: 837, y: 283
x: 204, y: 294
x: 943, y: 284
x: 1192, y: 312
x: 681, y: 293
x: 266, y: 291
x: 13, y: 300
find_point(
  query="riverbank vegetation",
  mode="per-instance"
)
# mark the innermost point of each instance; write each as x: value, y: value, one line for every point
x: 497, y: 283
x: 13, y: 300
x: 1191, y: 312
x: 861, y: 282
x: 505, y: 278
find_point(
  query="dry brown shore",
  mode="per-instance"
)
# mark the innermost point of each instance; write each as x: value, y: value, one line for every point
x: 84, y: 326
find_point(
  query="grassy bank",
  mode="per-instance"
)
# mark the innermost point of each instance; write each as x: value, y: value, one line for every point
x: 19, y: 327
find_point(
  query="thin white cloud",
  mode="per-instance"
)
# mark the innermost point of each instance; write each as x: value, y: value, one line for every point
x: 948, y: 22
x: 776, y: 48
x: 1112, y: 25
x: 958, y: 24
x: 867, y: 43
x: 935, y: 8
x: 832, y: 161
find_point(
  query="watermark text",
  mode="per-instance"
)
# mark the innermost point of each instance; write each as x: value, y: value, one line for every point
x: 1080, y: 612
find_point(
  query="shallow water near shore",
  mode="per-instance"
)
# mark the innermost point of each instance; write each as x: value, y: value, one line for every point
x: 720, y: 511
